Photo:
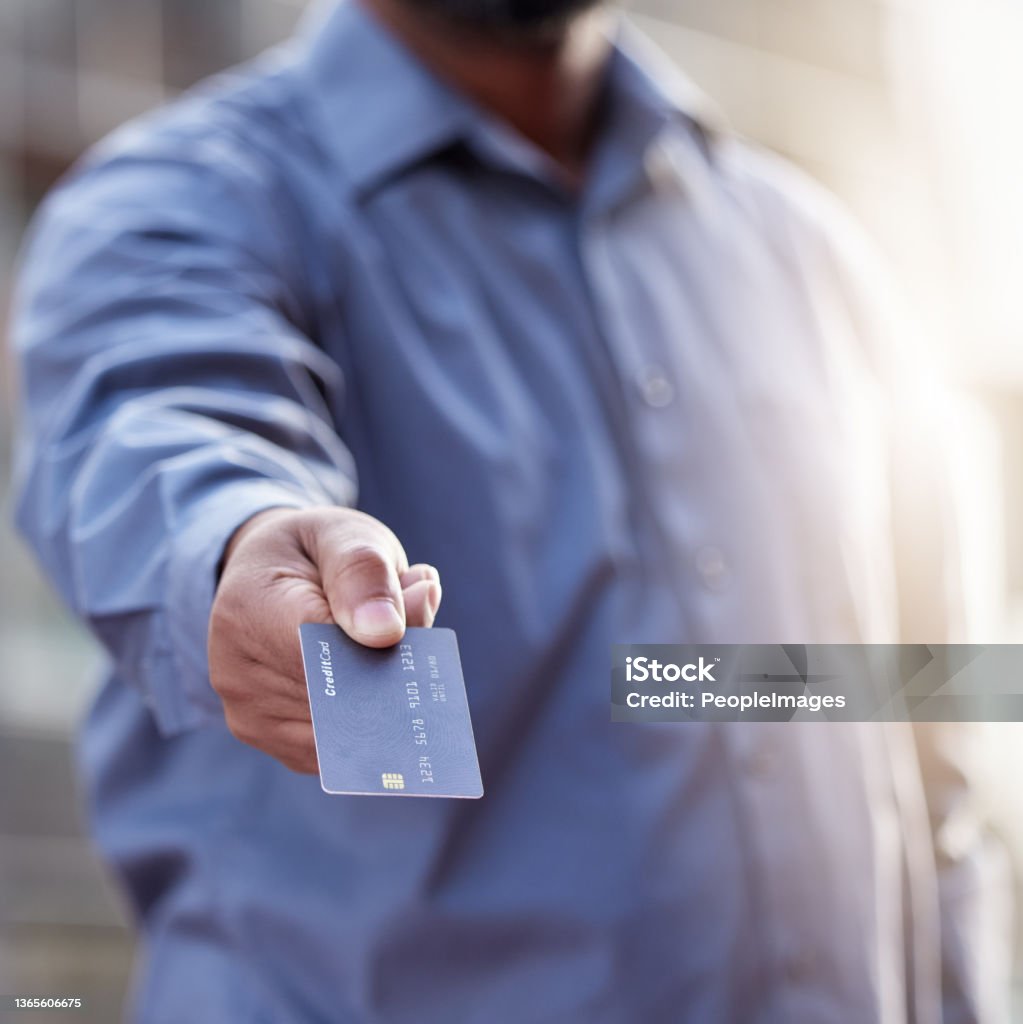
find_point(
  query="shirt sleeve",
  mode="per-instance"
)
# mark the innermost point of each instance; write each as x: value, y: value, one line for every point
x: 971, y: 865
x: 167, y: 394
x: 975, y: 889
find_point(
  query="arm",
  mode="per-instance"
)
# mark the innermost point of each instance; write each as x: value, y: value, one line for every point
x: 974, y: 883
x: 975, y: 891
x: 168, y: 395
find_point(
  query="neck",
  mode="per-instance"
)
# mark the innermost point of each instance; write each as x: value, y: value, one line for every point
x: 547, y: 89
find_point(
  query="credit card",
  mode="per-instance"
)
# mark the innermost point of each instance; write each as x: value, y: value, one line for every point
x: 390, y: 721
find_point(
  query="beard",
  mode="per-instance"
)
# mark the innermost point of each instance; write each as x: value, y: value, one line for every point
x: 523, y: 19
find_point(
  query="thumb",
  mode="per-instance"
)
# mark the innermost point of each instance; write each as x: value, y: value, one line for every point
x: 361, y: 584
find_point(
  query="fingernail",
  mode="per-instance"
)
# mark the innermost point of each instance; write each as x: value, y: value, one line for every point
x: 433, y: 596
x: 376, y: 619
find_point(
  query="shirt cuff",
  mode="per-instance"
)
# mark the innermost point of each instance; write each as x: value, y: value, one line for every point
x: 179, y: 690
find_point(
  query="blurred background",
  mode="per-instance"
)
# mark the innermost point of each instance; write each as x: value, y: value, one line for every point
x: 908, y: 109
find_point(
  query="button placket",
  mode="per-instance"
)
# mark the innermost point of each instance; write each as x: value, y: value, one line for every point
x: 712, y: 567
x: 655, y: 387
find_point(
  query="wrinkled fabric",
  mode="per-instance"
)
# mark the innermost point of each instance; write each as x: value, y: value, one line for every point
x: 655, y: 409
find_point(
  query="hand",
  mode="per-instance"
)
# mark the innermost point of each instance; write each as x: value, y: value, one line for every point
x: 285, y: 567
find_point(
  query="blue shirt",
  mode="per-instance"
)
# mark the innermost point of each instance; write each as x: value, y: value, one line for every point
x: 646, y: 411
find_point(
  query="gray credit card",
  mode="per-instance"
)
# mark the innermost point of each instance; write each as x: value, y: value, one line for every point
x: 391, y: 721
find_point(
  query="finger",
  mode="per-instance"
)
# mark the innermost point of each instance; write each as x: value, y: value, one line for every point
x: 415, y: 573
x: 422, y: 600
x: 294, y: 746
x: 270, y: 695
x: 268, y: 733
x: 360, y: 579
x: 260, y: 629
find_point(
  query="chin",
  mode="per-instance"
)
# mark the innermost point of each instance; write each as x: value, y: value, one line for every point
x: 512, y: 19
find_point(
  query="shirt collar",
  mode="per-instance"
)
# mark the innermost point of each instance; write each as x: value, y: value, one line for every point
x: 654, y: 112
x: 386, y: 111
x: 647, y: 80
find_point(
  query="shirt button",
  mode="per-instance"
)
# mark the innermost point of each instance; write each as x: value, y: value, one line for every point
x: 712, y: 567
x: 759, y: 764
x: 659, y: 167
x: 655, y: 387
x: 799, y: 967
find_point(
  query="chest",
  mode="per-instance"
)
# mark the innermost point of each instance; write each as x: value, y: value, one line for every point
x: 662, y: 370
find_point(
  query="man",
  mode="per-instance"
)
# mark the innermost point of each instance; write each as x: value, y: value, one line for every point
x: 475, y: 291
